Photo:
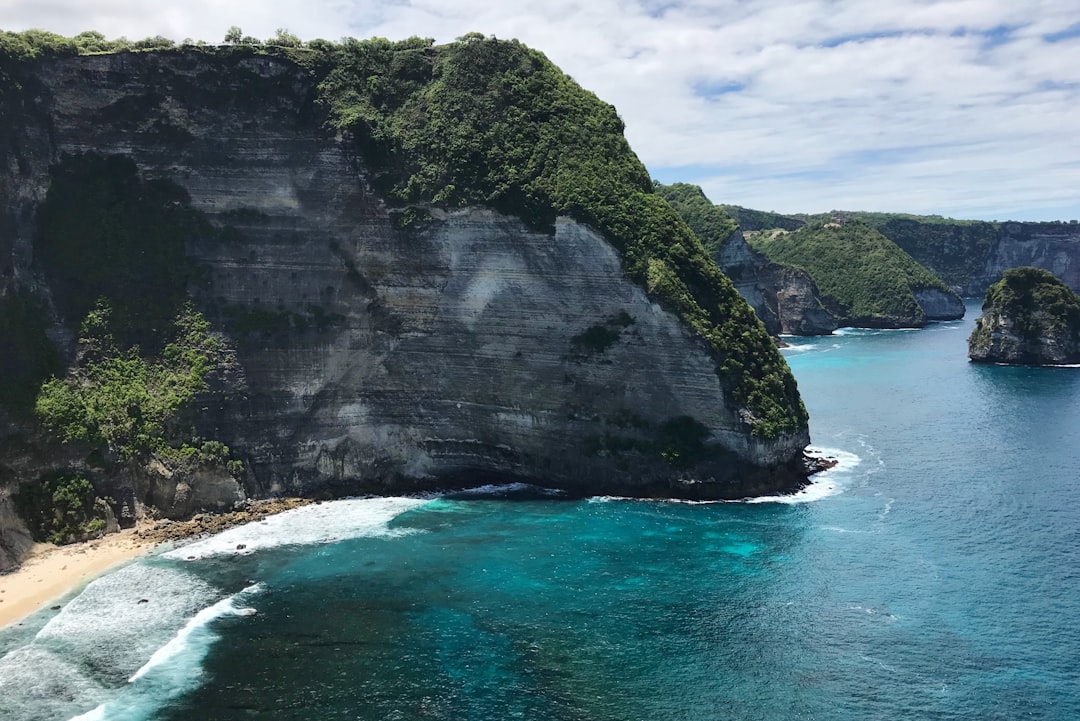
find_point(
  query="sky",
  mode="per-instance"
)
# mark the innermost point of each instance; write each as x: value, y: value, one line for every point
x: 963, y: 108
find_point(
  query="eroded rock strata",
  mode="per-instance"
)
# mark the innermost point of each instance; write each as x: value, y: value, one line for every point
x: 371, y: 354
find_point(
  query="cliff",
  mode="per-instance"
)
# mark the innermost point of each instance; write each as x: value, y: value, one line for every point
x: 1029, y: 317
x: 407, y: 300
x: 864, y: 278
x: 785, y: 298
x: 968, y: 255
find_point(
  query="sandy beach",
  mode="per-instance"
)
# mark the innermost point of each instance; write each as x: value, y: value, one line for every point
x: 52, y: 571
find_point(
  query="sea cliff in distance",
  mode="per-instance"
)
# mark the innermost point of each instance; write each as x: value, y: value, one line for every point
x: 1029, y: 317
x: 810, y: 278
x: 969, y: 255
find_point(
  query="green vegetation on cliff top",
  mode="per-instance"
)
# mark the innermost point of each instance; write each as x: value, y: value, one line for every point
x: 854, y: 266
x: 712, y: 225
x: 490, y: 122
x: 1024, y: 291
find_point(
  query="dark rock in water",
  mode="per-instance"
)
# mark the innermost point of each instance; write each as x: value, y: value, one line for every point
x: 1029, y: 317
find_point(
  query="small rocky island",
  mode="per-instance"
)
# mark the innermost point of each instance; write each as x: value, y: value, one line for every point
x: 1029, y: 317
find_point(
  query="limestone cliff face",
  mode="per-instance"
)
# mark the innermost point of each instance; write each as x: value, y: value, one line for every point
x: 744, y: 266
x: 373, y: 358
x: 936, y: 304
x: 1003, y: 338
x: 970, y: 256
x: 785, y: 299
x: 1051, y: 246
x: 798, y: 302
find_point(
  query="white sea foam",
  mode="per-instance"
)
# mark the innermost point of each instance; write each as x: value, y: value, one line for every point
x: 504, y: 489
x: 308, y: 525
x: 174, y: 668
x: 822, y: 485
x: 186, y: 638
x: 120, y: 619
x: 37, y: 683
x: 872, y: 331
x: 98, y: 640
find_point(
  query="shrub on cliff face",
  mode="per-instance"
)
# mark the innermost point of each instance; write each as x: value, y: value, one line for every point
x: 61, y: 508
x: 124, y: 404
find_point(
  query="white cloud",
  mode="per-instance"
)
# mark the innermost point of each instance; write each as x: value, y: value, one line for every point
x: 953, y: 106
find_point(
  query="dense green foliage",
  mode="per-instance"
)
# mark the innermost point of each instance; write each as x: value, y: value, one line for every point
x: 123, y: 404
x: 954, y: 250
x: 477, y: 121
x: 61, y: 508
x: 1024, y: 291
x: 712, y: 225
x: 855, y: 267
x: 104, y: 232
x: 27, y: 357
x: 33, y: 44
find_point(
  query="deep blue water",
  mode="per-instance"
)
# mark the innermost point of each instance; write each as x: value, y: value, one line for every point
x: 935, y: 575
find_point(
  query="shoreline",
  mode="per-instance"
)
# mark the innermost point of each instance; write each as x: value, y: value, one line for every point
x: 51, y: 572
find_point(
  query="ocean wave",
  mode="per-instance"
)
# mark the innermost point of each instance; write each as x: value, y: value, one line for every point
x: 121, y: 618
x: 174, y: 668
x: 872, y: 331
x: 498, y: 490
x: 38, y: 683
x: 98, y: 639
x: 315, y: 524
x: 822, y: 485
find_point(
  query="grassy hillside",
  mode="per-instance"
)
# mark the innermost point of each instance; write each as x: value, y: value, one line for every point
x: 855, y: 267
x: 494, y: 123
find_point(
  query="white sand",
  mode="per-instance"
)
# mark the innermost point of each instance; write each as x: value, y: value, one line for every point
x: 52, y: 571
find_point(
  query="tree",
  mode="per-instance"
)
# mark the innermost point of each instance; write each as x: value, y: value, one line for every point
x: 285, y: 39
x: 234, y: 35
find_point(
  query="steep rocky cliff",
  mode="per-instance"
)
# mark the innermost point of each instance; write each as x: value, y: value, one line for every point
x: 785, y: 298
x: 865, y: 279
x: 1029, y: 317
x: 969, y: 255
x: 385, y: 339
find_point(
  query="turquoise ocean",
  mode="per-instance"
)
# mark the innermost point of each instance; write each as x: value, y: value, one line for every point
x: 934, y: 574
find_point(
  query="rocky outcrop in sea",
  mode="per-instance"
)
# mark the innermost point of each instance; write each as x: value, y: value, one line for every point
x: 1029, y: 317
